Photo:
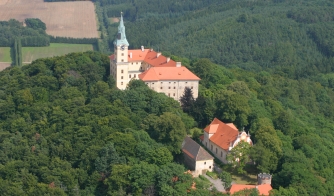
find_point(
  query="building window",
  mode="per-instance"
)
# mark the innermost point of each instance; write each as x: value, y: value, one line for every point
x: 221, y: 153
x: 122, y: 60
x: 160, y: 87
x: 186, y: 82
x: 174, y: 94
x: 152, y: 83
x: 169, y: 87
x: 204, y: 163
x: 210, y: 167
x: 168, y: 94
x: 130, y: 76
x: 191, y: 87
x: 121, y: 83
x: 122, y: 54
x: 134, y: 76
x: 122, y: 71
x: 137, y: 63
x: 169, y: 82
x: 211, y: 147
x: 174, y: 87
x: 121, y: 77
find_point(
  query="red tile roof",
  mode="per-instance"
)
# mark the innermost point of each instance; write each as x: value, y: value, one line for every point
x: 112, y: 57
x: 263, y: 189
x: 168, y: 73
x: 137, y: 55
x: 161, y: 61
x: 223, y: 134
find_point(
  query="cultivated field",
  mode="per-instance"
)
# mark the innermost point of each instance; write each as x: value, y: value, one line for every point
x: 32, y: 53
x: 66, y: 19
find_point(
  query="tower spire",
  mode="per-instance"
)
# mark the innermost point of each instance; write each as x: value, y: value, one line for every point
x: 121, y: 37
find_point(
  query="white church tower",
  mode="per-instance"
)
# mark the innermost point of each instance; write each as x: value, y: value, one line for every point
x: 119, y: 64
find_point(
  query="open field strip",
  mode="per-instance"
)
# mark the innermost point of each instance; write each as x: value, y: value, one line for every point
x: 55, y: 49
x: 5, y: 54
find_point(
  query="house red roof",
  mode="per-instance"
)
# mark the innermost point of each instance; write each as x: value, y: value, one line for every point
x: 167, y: 73
x: 223, y: 134
x: 263, y: 189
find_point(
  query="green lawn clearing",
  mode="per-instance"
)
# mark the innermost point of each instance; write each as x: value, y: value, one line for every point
x: 55, y: 49
x: 5, y: 54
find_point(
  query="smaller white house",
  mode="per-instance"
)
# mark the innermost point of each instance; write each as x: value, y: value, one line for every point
x: 220, y: 138
x: 198, y: 160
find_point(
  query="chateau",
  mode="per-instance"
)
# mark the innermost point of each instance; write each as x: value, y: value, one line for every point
x: 160, y: 73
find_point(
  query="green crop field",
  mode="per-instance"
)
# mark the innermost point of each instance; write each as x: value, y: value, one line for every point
x: 5, y: 54
x: 55, y: 49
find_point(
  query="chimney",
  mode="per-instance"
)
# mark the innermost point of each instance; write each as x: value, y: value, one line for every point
x: 130, y: 55
x: 168, y: 59
x: 158, y: 54
x: 142, y: 48
x: 178, y: 64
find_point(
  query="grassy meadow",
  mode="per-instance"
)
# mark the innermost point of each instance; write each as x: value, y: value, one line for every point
x: 55, y: 49
x: 5, y: 54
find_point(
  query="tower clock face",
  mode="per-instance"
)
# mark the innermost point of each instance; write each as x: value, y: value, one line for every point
x: 122, y: 47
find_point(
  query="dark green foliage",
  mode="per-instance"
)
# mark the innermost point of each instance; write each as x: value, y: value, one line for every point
x: 35, y: 23
x: 66, y: 130
x: 31, y: 35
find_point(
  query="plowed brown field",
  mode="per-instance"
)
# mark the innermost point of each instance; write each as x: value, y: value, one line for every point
x: 65, y: 19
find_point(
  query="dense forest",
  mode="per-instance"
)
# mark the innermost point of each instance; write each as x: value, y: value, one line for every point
x: 33, y: 34
x: 265, y: 65
x: 66, y: 130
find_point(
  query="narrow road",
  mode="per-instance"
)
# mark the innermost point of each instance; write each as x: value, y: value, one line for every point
x: 217, y: 183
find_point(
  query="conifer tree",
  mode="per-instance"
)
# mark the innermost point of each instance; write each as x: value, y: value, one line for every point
x: 187, y: 100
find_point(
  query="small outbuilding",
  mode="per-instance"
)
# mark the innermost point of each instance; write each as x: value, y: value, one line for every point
x: 196, y: 157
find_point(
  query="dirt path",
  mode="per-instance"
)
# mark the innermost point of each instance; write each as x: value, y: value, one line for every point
x: 217, y: 183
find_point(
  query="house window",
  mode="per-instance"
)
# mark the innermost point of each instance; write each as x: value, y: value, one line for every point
x: 168, y: 94
x: 211, y: 147
x: 122, y: 54
x: 191, y: 87
x: 210, y: 167
x: 121, y: 77
x: 160, y: 87
x: 174, y: 94
x: 130, y: 76
x: 134, y: 76
x: 169, y: 82
x: 221, y: 153
x: 169, y: 87
x: 186, y: 82
x: 174, y: 87
x: 204, y: 163
x: 122, y: 71
x: 121, y: 83
x: 216, y: 150
x: 122, y: 60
